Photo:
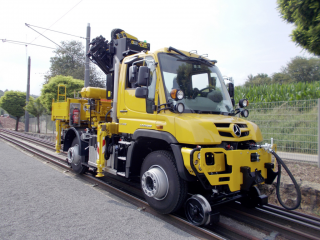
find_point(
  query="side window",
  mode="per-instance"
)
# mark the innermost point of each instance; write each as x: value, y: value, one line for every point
x: 153, y: 77
x: 150, y: 63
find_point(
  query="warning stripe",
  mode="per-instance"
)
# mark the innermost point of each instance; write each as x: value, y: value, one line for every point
x: 103, y: 146
x: 98, y: 146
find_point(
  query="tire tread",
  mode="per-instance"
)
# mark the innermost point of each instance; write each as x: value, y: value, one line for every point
x: 182, y: 183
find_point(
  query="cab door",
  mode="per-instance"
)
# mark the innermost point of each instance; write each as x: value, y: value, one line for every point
x: 138, y: 113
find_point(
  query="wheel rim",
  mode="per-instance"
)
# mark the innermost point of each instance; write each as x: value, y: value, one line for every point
x: 155, y: 183
x: 73, y: 155
x: 198, y: 210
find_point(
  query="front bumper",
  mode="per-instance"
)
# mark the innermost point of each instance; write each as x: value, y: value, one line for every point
x: 239, y: 169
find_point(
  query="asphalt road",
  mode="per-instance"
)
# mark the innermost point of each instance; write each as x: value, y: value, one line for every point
x: 40, y: 202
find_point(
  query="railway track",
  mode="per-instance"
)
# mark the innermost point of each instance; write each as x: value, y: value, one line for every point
x: 274, y: 222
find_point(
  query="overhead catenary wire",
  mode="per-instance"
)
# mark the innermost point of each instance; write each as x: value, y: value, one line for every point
x: 56, y: 31
x: 59, y: 19
x: 44, y: 36
x: 23, y: 43
x: 68, y: 52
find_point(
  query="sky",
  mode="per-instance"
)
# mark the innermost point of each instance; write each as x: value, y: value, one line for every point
x: 245, y: 37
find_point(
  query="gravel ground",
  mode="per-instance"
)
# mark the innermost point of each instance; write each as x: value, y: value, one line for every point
x: 307, y: 175
x: 39, y: 202
x: 302, y: 171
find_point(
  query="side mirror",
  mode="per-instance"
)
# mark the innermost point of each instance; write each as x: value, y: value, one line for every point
x: 133, y: 70
x: 143, y: 76
x: 141, y: 92
x: 109, y: 86
x: 231, y: 90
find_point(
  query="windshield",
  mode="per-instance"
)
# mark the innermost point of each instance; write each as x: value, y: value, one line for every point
x: 202, y: 84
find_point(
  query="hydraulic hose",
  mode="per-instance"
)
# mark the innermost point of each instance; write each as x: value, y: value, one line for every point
x: 281, y: 163
x: 107, y: 115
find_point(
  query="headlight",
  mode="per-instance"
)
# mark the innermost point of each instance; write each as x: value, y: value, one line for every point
x: 180, y: 107
x: 243, y: 103
x: 180, y: 94
x: 198, y: 156
x: 245, y: 113
x: 176, y: 94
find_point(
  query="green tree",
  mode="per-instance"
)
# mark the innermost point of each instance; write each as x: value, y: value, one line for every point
x: 49, y: 91
x: 305, y: 15
x: 14, y: 102
x: 259, y: 79
x: 35, y: 108
x: 281, y: 78
x: 301, y: 69
x: 69, y: 61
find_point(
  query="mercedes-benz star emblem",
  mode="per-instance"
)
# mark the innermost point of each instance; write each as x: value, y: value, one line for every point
x: 236, y: 130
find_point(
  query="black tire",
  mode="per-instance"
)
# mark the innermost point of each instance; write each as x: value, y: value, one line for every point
x: 177, y: 189
x: 77, y: 167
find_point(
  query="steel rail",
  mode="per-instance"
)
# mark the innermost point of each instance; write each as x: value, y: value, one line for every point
x: 37, y: 152
x: 23, y: 135
x: 275, y: 207
x: 251, y: 217
x: 177, y: 221
x: 303, y: 220
x: 38, y: 142
x: 142, y: 205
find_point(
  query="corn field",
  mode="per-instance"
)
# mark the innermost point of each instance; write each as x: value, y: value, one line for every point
x: 275, y: 92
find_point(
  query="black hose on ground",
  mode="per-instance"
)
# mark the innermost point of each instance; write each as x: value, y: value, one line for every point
x: 280, y: 162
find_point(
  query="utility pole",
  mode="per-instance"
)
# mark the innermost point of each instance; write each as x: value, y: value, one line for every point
x: 87, y: 69
x: 26, y: 124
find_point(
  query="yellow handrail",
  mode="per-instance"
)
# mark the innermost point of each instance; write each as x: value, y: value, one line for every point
x: 62, y: 95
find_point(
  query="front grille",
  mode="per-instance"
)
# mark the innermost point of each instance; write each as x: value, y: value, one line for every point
x: 222, y: 125
x: 225, y: 134
x: 244, y: 134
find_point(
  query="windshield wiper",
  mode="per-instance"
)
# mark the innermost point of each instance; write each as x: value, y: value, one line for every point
x: 201, y: 60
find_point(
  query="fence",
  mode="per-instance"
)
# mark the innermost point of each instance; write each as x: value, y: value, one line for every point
x: 292, y: 125
x: 46, y: 126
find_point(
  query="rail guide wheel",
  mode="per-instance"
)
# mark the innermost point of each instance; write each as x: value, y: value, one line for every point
x: 197, y: 210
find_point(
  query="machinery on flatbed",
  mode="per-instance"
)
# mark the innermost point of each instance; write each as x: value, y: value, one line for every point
x: 167, y: 119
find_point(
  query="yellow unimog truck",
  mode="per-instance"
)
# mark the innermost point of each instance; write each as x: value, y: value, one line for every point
x: 167, y: 119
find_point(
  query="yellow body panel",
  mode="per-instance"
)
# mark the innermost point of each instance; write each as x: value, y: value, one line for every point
x: 234, y: 158
x: 60, y: 110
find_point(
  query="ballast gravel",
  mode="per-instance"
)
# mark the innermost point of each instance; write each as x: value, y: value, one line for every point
x: 39, y: 202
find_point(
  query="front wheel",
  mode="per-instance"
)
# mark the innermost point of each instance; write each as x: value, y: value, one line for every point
x: 74, y: 158
x: 162, y: 187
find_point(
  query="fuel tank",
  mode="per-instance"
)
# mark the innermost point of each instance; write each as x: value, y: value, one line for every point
x: 93, y: 92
